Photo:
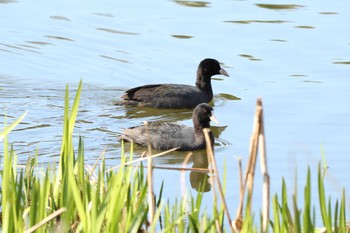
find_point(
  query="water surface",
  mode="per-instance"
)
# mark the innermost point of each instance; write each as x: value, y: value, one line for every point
x: 295, y: 56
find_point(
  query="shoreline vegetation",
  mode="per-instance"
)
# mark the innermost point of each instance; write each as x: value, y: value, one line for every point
x: 72, y: 197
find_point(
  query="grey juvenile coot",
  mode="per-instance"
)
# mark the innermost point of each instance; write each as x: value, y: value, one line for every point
x: 177, y: 95
x: 164, y: 136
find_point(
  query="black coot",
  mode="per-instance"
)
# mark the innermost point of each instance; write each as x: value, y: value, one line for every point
x: 164, y: 136
x: 177, y: 95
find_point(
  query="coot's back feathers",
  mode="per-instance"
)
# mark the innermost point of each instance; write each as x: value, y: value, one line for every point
x: 177, y: 95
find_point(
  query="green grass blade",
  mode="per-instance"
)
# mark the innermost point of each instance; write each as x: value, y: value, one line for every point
x: 8, y: 201
x: 78, y: 202
x: 329, y: 225
x: 276, y: 226
x: 160, y: 194
x: 336, y: 229
x: 74, y: 111
x: 308, y: 225
x: 9, y: 128
x: 287, y: 220
x: 322, y: 198
x: 342, y: 215
x: 296, y: 226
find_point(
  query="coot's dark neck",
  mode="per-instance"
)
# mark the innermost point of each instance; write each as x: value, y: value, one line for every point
x: 199, y: 125
x: 198, y: 130
x: 203, y: 81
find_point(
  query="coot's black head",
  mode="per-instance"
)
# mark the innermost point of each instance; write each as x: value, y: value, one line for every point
x: 206, y: 69
x: 209, y: 67
x: 202, y: 115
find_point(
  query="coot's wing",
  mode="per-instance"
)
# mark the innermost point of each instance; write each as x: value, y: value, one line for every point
x: 141, y: 92
x: 162, y: 136
x: 165, y: 96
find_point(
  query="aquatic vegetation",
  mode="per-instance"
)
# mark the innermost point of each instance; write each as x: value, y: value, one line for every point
x: 72, y: 197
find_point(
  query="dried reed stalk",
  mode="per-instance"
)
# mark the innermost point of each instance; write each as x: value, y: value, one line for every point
x: 241, y: 190
x: 196, y: 169
x: 257, y: 141
x: 238, y: 222
x: 151, y: 202
x: 264, y: 172
x: 45, y: 220
x: 182, y: 175
x: 142, y: 159
x: 183, y: 180
x: 250, y: 169
x: 212, y: 160
x: 253, y: 151
x: 209, y: 153
x: 92, y: 169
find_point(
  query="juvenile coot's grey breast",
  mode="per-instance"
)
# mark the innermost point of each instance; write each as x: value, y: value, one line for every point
x: 164, y: 136
x: 177, y: 95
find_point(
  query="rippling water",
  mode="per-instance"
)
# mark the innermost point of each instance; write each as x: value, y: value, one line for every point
x: 295, y: 56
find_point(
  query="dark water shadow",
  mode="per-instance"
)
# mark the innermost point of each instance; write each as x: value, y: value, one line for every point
x: 192, y: 3
x: 279, y: 6
x: 256, y: 21
x: 342, y: 62
x: 59, y: 38
x: 110, y: 30
x: 250, y: 57
x: 182, y: 36
x: 156, y: 114
x: 58, y: 17
x: 7, y: 1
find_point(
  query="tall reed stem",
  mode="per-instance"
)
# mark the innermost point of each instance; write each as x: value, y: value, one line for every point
x: 212, y: 160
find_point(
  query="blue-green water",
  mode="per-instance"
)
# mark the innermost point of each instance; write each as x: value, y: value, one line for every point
x: 295, y: 56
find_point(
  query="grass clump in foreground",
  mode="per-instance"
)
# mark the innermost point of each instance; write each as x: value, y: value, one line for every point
x: 70, y: 198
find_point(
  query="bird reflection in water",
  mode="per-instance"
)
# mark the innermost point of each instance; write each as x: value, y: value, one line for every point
x: 200, y: 180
